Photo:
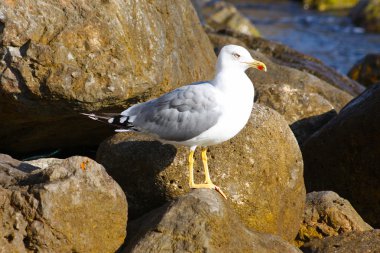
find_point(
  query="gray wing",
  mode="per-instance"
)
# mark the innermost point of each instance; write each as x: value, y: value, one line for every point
x: 178, y: 115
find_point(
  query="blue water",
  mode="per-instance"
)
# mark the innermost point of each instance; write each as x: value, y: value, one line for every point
x: 330, y: 37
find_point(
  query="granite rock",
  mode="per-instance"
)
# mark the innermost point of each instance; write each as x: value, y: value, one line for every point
x: 327, y: 214
x: 58, y: 58
x: 53, y: 205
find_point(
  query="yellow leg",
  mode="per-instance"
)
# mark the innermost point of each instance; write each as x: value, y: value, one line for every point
x: 191, y: 168
x: 208, y: 184
x: 191, y: 175
x: 205, y: 166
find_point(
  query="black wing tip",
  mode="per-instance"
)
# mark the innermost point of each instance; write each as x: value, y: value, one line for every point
x: 117, y: 121
x: 121, y: 120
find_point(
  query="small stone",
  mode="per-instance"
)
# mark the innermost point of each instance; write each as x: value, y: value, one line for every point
x: 327, y: 214
x: 222, y: 15
x: 367, y: 70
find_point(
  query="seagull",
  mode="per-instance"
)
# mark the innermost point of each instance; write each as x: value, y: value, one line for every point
x: 199, y: 114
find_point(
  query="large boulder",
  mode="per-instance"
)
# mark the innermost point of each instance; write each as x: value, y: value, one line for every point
x: 343, y: 155
x: 53, y: 205
x: 367, y: 241
x: 260, y: 170
x: 325, y: 5
x: 367, y: 70
x: 200, y: 221
x: 327, y: 214
x: 60, y: 57
x: 367, y: 14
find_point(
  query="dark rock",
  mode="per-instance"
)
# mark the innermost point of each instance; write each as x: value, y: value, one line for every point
x: 367, y: 70
x: 61, y: 57
x: 367, y: 14
x: 260, y: 170
x: 353, y: 242
x: 327, y: 214
x: 53, y: 205
x: 306, y: 127
x: 285, y: 56
x: 343, y: 155
x: 200, y: 221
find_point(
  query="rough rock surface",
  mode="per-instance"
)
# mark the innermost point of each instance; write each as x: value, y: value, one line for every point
x: 260, y: 170
x: 280, y: 72
x: 353, y: 242
x: 343, y: 155
x: 305, y: 111
x: 367, y: 14
x: 53, y: 205
x: 327, y: 214
x: 367, y: 70
x: 289, y: 58
x: 200, y: 221
x: 324, y: 5
x: 58, y: 57
x: 294, y: 104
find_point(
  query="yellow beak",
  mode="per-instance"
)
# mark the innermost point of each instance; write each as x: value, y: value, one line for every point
x: 258, y: 65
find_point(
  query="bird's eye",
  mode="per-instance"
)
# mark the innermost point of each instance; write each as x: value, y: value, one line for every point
x: 237, y: 56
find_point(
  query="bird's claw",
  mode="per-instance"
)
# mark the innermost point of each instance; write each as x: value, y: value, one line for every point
x: 217, y: 188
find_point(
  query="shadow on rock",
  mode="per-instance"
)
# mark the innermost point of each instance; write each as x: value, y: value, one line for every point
x: 146, y: 159
x: 306, y: 127
x: 343, y: 156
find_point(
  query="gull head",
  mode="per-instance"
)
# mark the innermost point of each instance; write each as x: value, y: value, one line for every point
x: 237, y: 58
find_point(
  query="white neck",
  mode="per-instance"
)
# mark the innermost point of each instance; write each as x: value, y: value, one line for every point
x: 230, y: 79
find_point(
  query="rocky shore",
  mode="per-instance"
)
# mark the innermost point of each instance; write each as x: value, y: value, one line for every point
x: 302, y: 176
